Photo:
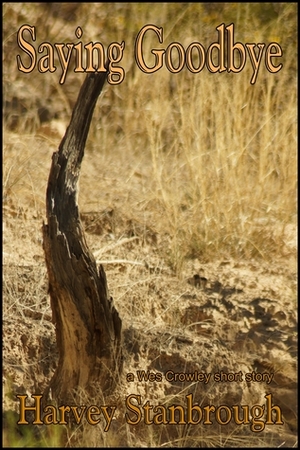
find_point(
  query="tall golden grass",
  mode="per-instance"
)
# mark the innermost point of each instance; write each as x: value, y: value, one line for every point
x: 221, y: 152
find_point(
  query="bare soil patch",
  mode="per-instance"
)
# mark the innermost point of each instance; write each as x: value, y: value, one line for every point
x: 243, y: 318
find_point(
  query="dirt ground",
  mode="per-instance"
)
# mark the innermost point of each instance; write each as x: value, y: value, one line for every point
x: 227, y: 316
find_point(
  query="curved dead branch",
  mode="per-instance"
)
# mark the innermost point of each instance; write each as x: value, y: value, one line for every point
x: 88, y: 326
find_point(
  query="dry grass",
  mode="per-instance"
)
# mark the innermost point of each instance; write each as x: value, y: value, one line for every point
x: 220, y: 154
x: 198, y: 168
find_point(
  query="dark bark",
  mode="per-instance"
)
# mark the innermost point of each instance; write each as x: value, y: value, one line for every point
x: 88, y: 327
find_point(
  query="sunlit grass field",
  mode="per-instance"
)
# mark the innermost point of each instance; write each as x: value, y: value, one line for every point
x: 220, y: 152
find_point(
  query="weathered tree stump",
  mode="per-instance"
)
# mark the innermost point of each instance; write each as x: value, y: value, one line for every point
x: 88, y: 327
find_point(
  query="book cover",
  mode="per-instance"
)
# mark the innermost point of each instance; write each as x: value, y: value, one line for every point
x: 149, y: 224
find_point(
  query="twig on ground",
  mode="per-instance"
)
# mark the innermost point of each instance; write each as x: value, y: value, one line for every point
x: 113, y: 246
